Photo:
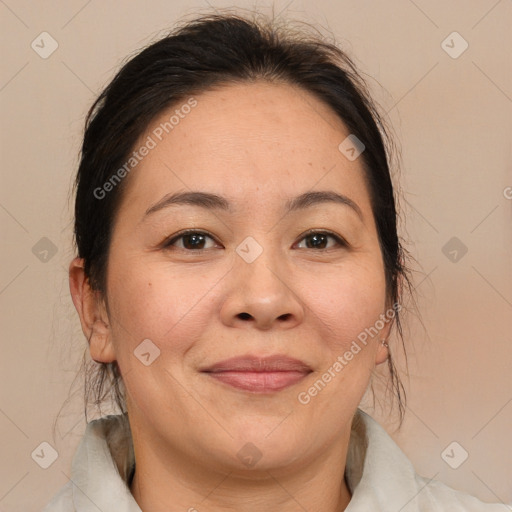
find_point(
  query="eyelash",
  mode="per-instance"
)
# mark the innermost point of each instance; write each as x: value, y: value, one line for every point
x: 170, y: 241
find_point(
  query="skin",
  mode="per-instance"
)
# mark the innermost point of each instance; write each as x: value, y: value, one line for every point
x: 256, y: 144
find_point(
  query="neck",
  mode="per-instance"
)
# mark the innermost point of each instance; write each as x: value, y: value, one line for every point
x: 171, y: 482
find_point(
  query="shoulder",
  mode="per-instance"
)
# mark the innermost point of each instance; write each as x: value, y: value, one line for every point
x: 436, y: 495
x: 99, y: 470
x: 62, y: 501
x: 381, y: 475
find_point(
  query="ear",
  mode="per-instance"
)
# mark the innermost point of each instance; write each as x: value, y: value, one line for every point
x: 382, y: 351
x: 92, y: 312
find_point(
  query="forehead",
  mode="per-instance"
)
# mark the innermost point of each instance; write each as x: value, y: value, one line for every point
x: 251, y: 142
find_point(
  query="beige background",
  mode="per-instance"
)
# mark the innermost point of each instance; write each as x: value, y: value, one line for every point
x: 453, y: 117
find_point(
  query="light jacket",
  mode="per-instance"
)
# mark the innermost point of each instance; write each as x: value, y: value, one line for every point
x: 379, y: 475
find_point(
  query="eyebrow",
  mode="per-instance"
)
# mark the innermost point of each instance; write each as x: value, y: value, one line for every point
x: 211, y: 201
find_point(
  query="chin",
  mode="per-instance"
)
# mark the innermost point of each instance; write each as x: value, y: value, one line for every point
x: 266, y: 446
x: 256, y: 462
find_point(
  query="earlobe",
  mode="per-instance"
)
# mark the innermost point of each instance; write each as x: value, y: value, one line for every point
x: 100, y: 343
x: 92, y: 313
x: 383, y: 348
x: 382, y: 352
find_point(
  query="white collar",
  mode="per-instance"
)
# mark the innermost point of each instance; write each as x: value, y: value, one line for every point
x: 379, y: 475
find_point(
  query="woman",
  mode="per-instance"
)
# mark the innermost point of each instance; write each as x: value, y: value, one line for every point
x: 238, y: 275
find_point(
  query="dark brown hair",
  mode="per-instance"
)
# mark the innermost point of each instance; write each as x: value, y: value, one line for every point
x: 209, y: 51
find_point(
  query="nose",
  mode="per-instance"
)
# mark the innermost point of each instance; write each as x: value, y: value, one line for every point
x: 261, y: 295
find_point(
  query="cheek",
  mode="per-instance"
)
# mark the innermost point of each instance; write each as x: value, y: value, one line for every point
x: 345, y: 322
x: 169, y: 308
x: 346, y: 303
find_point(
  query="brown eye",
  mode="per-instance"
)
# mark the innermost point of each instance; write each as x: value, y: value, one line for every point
x: 319, y: 240
x: 190, y: 241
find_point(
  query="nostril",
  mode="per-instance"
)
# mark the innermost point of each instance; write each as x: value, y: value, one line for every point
x: 285, y: 316
x: 244, y: 316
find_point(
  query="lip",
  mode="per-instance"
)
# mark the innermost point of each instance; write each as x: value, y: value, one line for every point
x: 259, y: 374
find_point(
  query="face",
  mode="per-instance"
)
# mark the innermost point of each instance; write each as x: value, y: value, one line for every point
x: 259, y: 273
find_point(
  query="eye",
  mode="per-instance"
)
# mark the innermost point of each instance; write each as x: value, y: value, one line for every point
x: 191, y: 240
x: 318, y: 239
x: 196, y: 241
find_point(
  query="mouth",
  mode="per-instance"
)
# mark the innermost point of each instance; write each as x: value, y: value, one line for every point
x: 259, y: 374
